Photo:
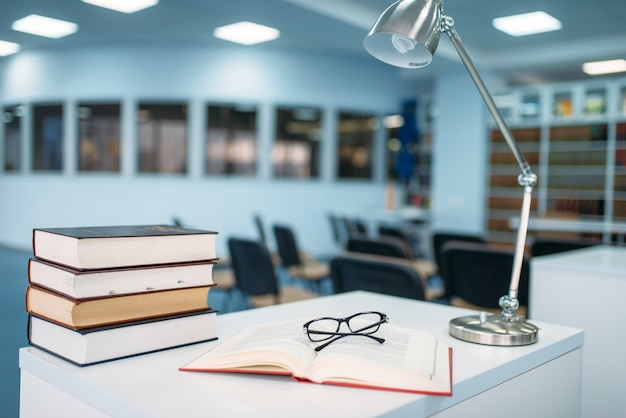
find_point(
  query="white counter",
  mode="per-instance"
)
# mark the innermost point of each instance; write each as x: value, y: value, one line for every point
x: 542, y: 378
x: 586, y: 288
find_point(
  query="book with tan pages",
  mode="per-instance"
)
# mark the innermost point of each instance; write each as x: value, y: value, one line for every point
x: 92, y: 312
x: 408, y: 361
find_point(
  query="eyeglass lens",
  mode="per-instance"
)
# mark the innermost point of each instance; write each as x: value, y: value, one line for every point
x: 362, y: 323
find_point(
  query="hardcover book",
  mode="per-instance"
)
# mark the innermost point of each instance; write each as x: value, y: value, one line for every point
x: 81, y: 284
x: 408, y: 361
x: 99, y: 247
x: 100, y: 344
x: 93, y: 312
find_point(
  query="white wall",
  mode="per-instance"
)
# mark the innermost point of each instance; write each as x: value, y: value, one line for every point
x: 460, y: 161
x: 131, y: 73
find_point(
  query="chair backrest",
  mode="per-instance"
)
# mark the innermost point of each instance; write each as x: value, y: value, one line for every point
x: 356, y: 228
x: 441, y: 237
x: 481, y: 275
x: 252, y: 264
x: 288, y: 249
x: 545, y: 245
x: 389, y: 246
x: 258, y: 223
x: 388, y: 277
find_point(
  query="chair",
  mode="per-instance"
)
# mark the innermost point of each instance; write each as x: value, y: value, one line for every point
x: 355, y: 227
x: 477, y: 276
x: 255, y: 276
x: 396, y: 232
x: 294, y: 261
x: 390, y: 276
x: 388, y: 246
x: 545, y: 246
x: 439, y: 238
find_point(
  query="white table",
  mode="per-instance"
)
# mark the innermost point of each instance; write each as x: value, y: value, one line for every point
x: 586, y: 288
x: 575, y: 225
x: 543, y: 378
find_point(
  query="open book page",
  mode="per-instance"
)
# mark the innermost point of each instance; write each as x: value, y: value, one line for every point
x: 279, y: 347
x: 407, y: 360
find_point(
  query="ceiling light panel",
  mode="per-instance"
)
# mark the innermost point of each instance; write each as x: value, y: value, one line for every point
x: 8, y: 48
x: 604, y: 67
x: 124, y: 6
x: 246, y: 33
x: 44, y: 26
x: 527, y: 23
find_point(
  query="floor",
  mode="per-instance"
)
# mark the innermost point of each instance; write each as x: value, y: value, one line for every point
x: 13, y: 321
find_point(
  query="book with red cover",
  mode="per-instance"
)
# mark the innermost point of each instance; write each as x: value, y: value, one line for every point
x: 98, y: 247
x: 408, y: 361
x: 113, y: 342
x: 93, y: 312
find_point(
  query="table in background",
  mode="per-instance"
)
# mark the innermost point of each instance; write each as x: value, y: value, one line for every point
x: 586, y: 288
x: 542, y: 378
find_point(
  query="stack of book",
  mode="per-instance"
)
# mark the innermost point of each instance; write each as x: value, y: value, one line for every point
x: 102, y: 293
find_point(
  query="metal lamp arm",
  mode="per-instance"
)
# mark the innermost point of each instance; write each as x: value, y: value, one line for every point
x: 526, y: 179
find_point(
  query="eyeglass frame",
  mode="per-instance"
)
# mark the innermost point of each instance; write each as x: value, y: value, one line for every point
x: 335, y: 335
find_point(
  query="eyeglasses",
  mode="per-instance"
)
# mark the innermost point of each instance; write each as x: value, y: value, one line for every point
x: 361, y: 324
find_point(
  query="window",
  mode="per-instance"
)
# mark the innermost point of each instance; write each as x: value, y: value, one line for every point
x: 356, y: 141
x: 98, y: 137
x: 48, y: 137
x: 162, y: 138
x: 231, y: 139
x: 296, y: 150
x: 12, y: 118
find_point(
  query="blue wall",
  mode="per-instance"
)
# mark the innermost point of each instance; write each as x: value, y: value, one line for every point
x: 198, y: 75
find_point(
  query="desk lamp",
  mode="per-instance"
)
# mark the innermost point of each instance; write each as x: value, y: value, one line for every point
x: 406, y: 35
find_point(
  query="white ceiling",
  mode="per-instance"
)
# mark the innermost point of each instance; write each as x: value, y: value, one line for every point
x: 591, y: 30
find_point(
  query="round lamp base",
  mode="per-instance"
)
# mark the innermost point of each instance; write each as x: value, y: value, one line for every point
x: 494, y: 330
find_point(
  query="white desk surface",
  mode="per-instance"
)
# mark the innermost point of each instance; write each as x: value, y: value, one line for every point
x: 597, y: 260
x: 570, y: 225
x: 151, y: 385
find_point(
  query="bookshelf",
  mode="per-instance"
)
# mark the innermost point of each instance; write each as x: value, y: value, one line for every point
x: 574, y: 138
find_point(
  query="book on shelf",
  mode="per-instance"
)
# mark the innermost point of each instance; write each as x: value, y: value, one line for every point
x: 100, y: 344
x: 113, y: 309
x: 408, y: 361
x: 99, y: 247
x: 82, y: 284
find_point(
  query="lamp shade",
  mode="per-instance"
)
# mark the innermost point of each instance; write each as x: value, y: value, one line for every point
x: 407, y: 33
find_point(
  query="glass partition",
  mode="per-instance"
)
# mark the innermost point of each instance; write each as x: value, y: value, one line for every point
x: 12, y: 121
x: 231, y: 139
x: 98, y: 137
x: 162, y: 138
x: 47, y: 137
x: 296, y: 151
x: 356, y: 132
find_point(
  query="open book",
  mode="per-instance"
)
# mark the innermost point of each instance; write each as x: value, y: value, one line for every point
x: 408, y: 361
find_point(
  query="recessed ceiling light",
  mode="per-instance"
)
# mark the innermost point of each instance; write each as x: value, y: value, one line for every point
x: 124, y: 6
x: 44, y: 26
x: 527, y: 24
x: 605, y: 67
x: 246, y: 33
x: 8, y: 48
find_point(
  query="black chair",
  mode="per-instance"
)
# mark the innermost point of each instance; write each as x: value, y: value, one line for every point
x: 258, y: 223
x: 297, y: 264
x: 255, y: 275
x: 385, y: 231
x: 391, y: 277
x: 389, y: 246
x: 478, y: 276
x: 355, y: 228
x: 439, y: 238
x: 545, y: 245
